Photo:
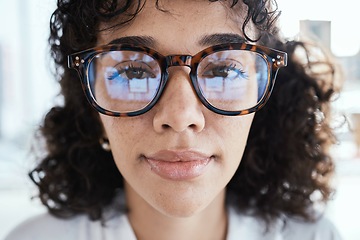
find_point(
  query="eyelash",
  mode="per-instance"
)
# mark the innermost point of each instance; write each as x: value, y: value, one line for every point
x: 119, y: 71
x: 229, y: 67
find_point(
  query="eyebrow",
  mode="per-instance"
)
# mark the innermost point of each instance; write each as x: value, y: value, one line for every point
x: 137, y: 40
x: 220, y: 38
x: 207, y: 40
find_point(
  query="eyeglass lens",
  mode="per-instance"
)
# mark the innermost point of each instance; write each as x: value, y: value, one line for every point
x: 127, y: 81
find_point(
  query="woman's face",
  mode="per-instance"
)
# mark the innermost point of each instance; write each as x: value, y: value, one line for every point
x: 178, y: 157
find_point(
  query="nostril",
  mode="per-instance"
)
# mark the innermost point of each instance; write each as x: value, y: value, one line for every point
x: 166, y: 126
x: 169, y: 126
x: 193, y: 126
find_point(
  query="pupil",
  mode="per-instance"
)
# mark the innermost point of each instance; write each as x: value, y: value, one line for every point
x: 220, y: 72
x: 134, y: 74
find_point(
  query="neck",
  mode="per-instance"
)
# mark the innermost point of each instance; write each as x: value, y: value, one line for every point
x: 150, y: 224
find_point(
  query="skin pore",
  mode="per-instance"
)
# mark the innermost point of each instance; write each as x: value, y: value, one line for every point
x: 179, y: 126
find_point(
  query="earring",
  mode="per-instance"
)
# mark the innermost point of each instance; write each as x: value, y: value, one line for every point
x: 105, y: 145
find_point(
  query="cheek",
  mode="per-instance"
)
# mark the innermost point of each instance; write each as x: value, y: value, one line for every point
x: 233, y: 132
x: 236, y: 141
x: 128, y: 129
x: 123, y: 134
x: 241, y: 127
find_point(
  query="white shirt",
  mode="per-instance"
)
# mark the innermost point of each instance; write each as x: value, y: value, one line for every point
x: 48, y: 227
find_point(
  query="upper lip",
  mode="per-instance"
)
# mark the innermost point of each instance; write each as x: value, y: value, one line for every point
x: 178, y: 156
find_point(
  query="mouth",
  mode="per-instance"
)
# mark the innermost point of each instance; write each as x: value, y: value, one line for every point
x: 178, y: 165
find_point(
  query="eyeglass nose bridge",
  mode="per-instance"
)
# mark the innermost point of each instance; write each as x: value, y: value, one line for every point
x: 178, y: 60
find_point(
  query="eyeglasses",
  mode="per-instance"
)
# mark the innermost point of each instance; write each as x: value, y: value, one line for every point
x: 127, y: 80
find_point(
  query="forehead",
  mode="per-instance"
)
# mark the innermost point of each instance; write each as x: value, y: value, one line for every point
x: 179, y: 26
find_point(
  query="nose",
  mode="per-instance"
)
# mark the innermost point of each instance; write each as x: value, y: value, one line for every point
x: 179, y: 109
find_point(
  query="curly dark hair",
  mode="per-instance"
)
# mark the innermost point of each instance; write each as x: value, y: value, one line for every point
x: 286, y: 161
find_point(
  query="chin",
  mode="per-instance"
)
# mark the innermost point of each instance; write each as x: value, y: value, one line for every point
x: 181, y: 209
x: 184, y: 205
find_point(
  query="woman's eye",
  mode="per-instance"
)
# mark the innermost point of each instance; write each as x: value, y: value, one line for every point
x: 225, y: 72
x: 137, y: 73
x: 220, y: 72
x: 130, y: 73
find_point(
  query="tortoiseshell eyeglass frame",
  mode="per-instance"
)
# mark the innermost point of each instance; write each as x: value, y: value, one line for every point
x: 80, y: 61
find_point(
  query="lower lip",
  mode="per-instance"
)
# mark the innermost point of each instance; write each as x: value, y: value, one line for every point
x: 180, y: 170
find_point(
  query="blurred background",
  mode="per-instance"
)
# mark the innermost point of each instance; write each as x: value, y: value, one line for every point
x: 28, y: 90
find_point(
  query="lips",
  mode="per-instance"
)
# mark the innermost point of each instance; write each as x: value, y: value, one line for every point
x: 178, y: 165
